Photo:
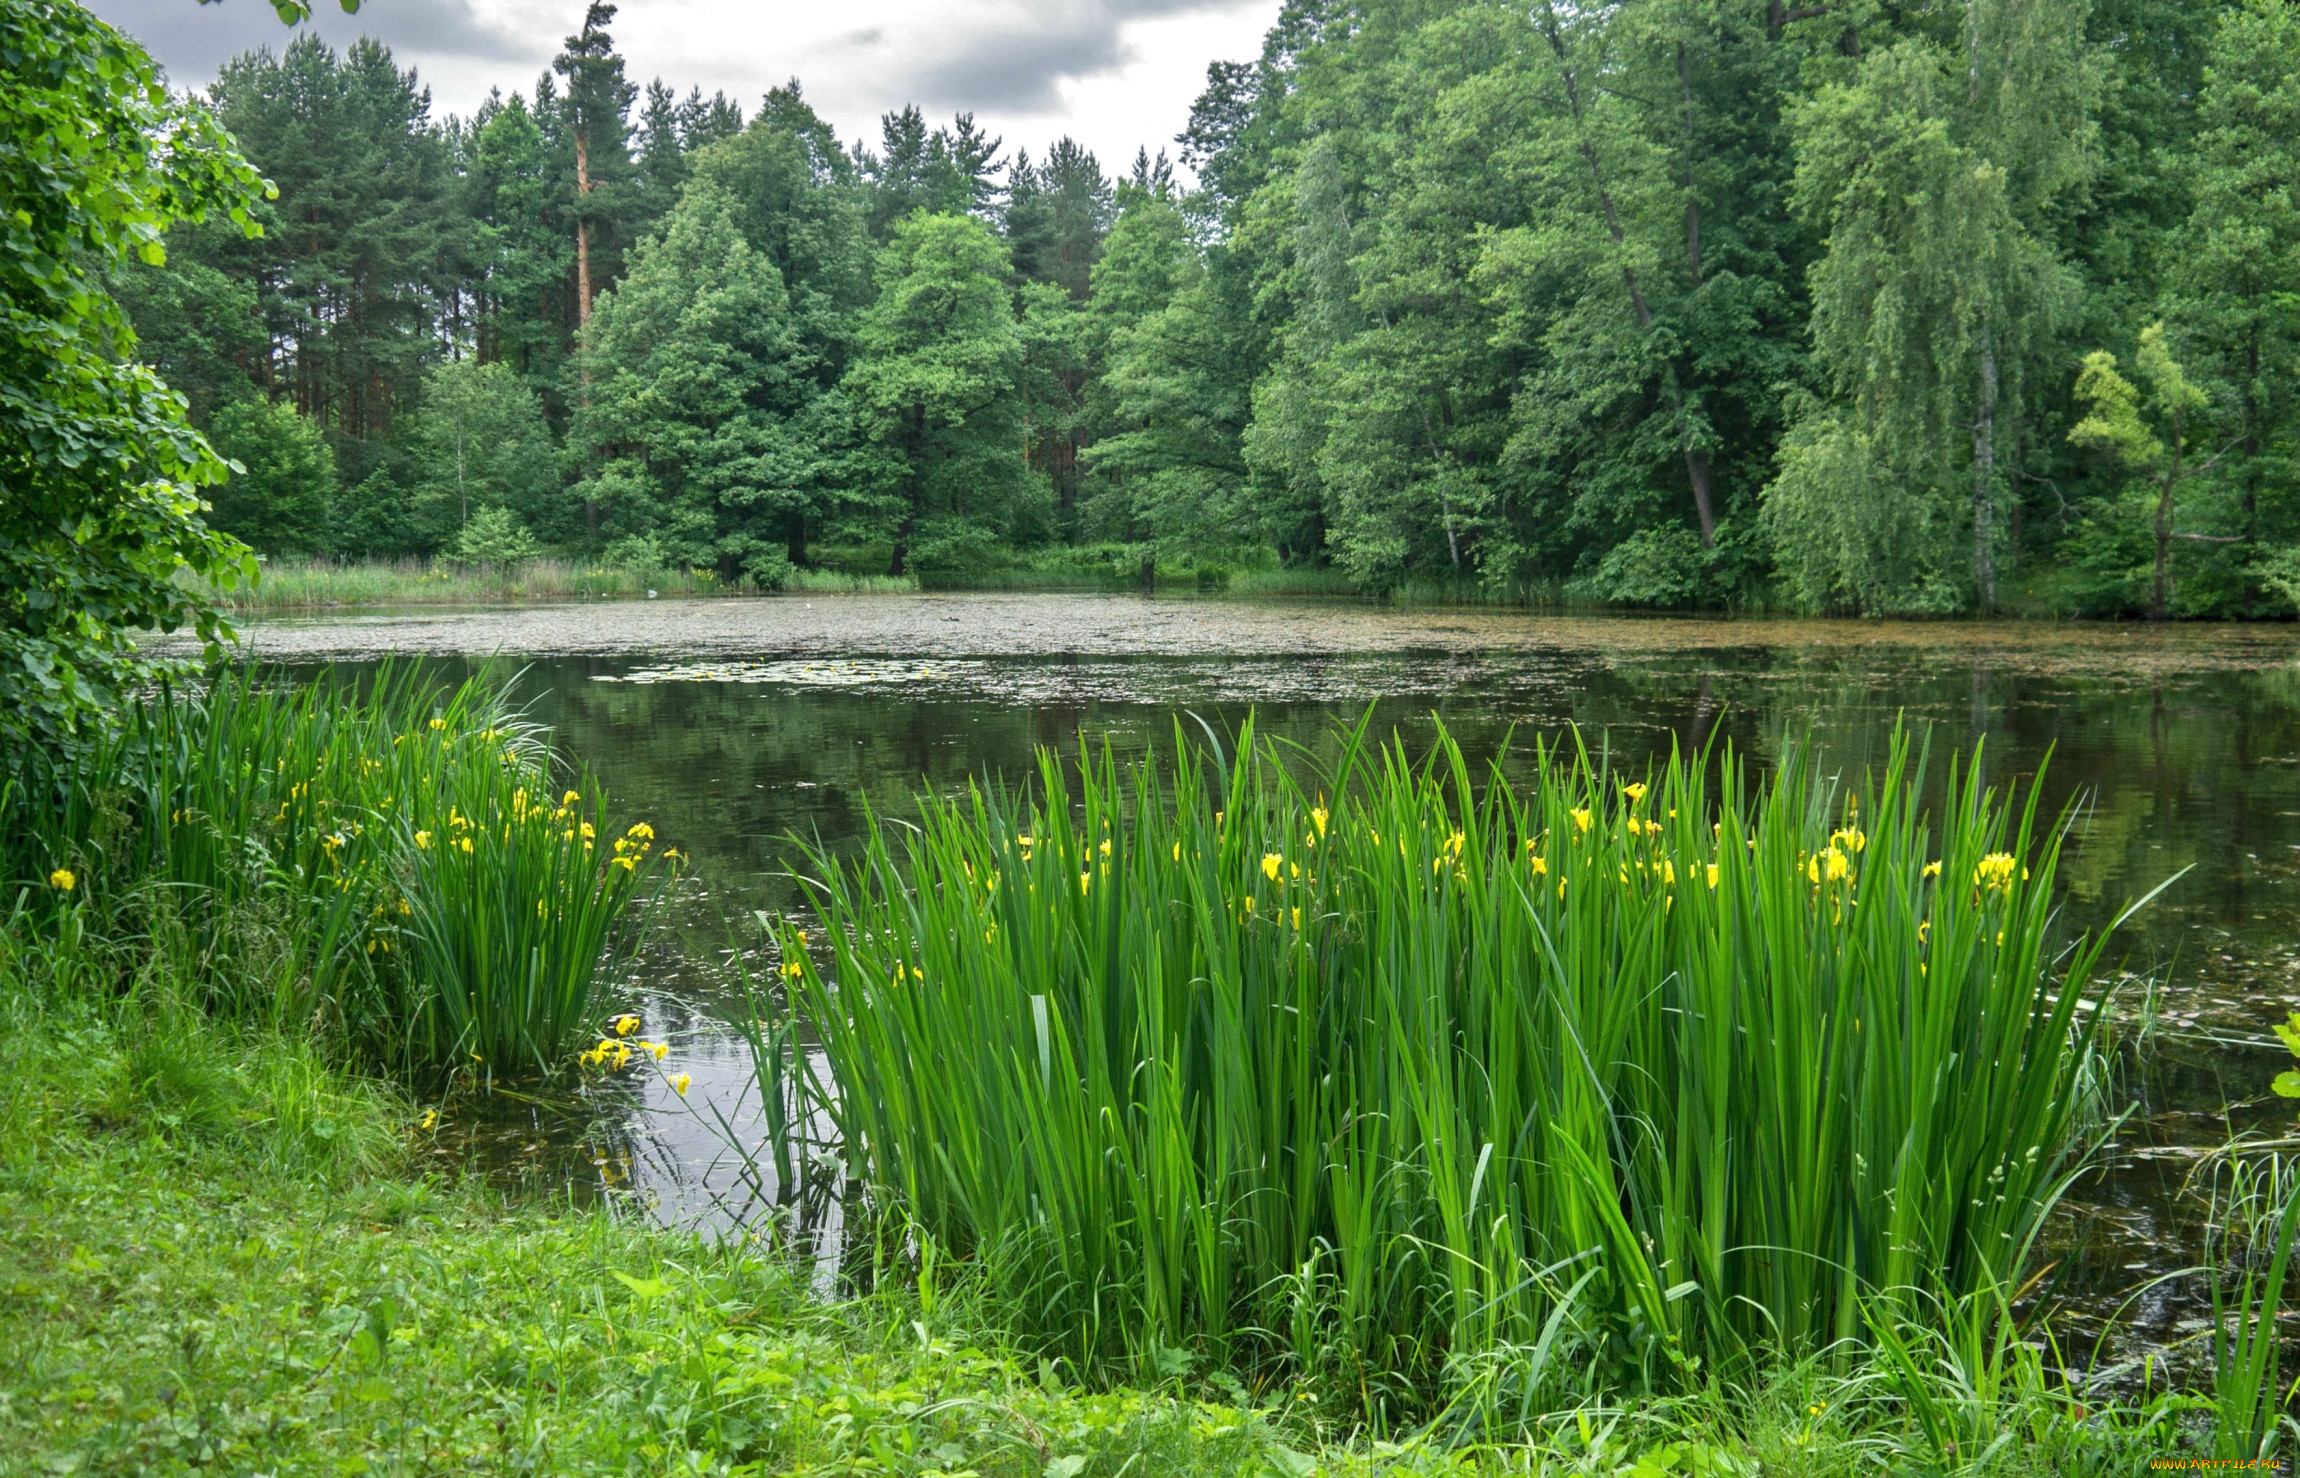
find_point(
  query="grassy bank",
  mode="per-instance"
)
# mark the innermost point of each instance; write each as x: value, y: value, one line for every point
x: 317, y: 584
x: 221, y: 1259
x: 295, y: 585
x: 298, y: 585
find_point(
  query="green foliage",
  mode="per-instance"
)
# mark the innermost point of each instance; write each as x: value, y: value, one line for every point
x: 802, y: 205
x: 439, y: 896
x: 1849, y: 537
x: 281, y: 494
x: 360, y: 231
x: 937, y: 358
x: 495, y: 536
x: 1934, y: 170
x: 1057, y: 214
x: 1172, y: 399
x: 480, y: 443
x: 521, y: 259
x: 103, y: 475
x: 1653, y: 567
x: 1396, y: 1084
x: 1500, y: 300
x: 705, y: 427
x: 945, y: 172
x: 2235, y: 297
x: 197, y: 315
x: 2117, y: 426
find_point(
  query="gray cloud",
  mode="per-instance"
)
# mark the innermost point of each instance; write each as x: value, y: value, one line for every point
x: 1017, y: 64
x: 1016, y: 60
x: 193, y: 41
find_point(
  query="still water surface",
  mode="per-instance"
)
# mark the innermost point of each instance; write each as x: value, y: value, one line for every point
x: 730, y: 725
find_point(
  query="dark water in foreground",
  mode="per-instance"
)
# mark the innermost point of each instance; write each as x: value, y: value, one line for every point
x: 731, y: 724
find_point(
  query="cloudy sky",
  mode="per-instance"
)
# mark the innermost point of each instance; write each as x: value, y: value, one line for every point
x: 1111, y: 73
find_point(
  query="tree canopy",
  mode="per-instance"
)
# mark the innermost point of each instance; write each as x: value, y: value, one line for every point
x: 1660, y: 303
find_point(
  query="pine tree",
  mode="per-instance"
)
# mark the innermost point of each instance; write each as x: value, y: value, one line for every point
x: 597, y: 109
x: 522, y: 262
x: 1056, y: 216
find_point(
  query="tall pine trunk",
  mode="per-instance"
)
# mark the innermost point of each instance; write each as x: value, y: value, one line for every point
x: 582, y: 230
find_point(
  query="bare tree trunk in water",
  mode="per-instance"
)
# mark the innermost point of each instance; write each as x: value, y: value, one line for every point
x: 1984, y: 478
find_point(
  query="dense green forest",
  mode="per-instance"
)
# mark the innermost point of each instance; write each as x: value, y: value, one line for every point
x: 1868, y: 307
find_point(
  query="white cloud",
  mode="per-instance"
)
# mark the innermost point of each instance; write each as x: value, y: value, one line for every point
x: 1113, y: 74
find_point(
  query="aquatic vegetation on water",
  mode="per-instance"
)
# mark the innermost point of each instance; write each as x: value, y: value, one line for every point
x: 1421, y: 1086
x: 446, y: 909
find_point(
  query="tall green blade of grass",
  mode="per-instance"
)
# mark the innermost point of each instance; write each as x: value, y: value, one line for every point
x: 1361, y: 1074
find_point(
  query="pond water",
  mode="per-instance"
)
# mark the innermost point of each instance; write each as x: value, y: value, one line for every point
x: 732, y: 724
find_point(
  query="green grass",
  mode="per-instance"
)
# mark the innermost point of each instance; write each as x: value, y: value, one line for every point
x: 1421, y: 1088
x: 317, y: 584
x: 446, y: 891
x: 219, y: 1258
x: 198, y: 1280
x: 839, y: 582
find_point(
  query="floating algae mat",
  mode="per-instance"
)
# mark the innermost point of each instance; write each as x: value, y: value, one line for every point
x: 855, y: 673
